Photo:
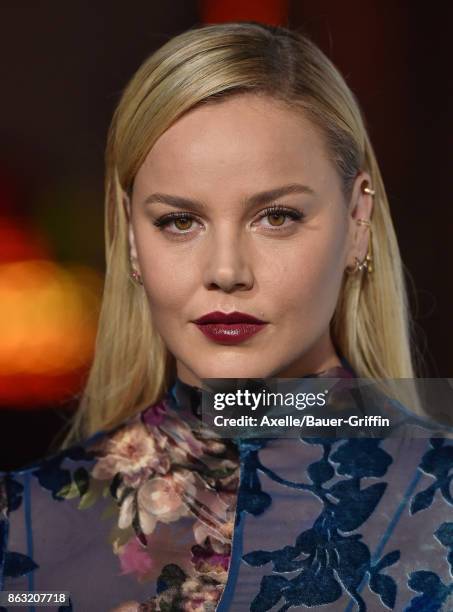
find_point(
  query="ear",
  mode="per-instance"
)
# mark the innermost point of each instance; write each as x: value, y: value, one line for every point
x: 360, y: 207
x: 130, y: 231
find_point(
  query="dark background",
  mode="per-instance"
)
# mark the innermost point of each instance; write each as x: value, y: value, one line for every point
x: 62, y: 71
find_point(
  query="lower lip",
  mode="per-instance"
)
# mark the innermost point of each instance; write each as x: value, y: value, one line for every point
x: 233, y: 333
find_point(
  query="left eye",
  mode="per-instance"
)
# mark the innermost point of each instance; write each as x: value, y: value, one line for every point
x: 277, y: 216
x: 276, y: 219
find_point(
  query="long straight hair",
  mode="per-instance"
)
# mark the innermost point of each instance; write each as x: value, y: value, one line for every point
x: 132, y: 367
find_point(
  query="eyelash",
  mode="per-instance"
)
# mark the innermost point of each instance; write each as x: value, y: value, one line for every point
x: 273, y: 210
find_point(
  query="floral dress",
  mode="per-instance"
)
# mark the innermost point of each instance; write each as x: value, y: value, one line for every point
x: 163, y: 514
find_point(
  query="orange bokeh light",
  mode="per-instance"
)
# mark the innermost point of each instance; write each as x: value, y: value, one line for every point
x: 48, y: 322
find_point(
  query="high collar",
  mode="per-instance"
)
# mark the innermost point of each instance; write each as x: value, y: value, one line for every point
x: 188, y: 397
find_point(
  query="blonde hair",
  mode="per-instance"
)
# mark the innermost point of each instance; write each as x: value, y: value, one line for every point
x: 132, y: 367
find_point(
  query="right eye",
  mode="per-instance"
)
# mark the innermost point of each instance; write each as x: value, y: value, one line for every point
x: 181, y: 221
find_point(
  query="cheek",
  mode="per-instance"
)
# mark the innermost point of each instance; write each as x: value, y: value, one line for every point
x: 168, y: 279
x: 167, y: 288
x: 307, y: 276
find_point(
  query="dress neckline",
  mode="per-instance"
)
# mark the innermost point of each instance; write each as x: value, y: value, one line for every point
x: 186, y: 397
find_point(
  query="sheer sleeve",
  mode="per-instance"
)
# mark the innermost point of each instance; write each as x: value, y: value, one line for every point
x: 357, y: 524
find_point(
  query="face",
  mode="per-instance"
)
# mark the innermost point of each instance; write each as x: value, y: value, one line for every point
x: 238, y: 208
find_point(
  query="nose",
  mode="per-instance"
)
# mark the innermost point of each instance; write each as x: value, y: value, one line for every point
x: 228, y: 266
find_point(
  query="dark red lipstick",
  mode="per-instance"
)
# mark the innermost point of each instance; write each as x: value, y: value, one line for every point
x: 230, y: 328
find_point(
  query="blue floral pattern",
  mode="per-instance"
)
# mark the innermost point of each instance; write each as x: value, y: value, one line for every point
x: 438, y: 462
x: 334, y: 562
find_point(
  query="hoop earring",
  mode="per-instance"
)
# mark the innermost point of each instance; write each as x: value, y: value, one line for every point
x: 369, y: 191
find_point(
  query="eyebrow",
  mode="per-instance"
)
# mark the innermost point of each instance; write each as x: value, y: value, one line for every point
x: 263, y: 197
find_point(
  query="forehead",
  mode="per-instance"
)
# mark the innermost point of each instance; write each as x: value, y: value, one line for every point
x: 245, y: 138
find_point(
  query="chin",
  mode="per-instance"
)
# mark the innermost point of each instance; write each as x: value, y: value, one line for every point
x: 238, y: 369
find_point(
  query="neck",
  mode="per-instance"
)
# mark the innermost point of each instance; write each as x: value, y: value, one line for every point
x: 317, y: 360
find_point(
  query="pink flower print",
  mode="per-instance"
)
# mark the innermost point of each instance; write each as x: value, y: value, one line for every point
x: 134, y: 453
x: 185, y: 444
x: 127, y: 510
x: 200, y: 595
x: 168, y: 544
x: 158, y: 499
x: 135, y: 559
x: 171, y: 543
x: 218, y: 527
x: 210, y: 563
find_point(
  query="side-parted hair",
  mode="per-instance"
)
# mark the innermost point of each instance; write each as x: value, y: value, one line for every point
x: 132, y: 367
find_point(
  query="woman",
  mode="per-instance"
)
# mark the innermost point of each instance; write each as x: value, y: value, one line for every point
x: 248, y: 235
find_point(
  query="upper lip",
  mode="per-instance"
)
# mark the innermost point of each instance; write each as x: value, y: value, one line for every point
x: 231, y: 317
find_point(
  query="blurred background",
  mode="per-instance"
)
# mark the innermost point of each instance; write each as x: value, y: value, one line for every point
x: 63, y: 68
